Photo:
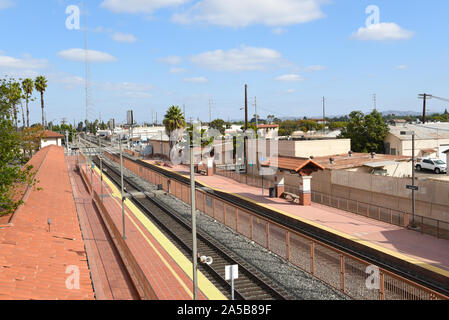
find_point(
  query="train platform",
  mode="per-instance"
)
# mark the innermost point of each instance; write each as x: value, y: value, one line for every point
x: 422, y: 250
x: 109, y: 277
x: 168, y: 271
x: 38, y: 260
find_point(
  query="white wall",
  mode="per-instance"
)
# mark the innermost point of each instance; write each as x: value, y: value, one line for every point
x: 50, y: 141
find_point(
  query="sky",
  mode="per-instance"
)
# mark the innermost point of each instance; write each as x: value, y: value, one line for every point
x: 147, y: 55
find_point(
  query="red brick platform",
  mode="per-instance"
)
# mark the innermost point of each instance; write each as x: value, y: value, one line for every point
x: 33, y: 257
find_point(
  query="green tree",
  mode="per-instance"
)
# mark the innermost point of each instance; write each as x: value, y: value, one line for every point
x: 367, y: 132
x: 218, y: 124
x: 28, y: 87
x: 41, y: 85
x: 12, y: 173
x: 173, y: 120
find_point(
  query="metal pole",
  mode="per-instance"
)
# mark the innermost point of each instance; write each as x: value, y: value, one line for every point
x: 101, y: 169
x: 91, y: 181
x: 192, y: 202
x: 413, y: 180
x: 232, y: 283
x: 123, y: 189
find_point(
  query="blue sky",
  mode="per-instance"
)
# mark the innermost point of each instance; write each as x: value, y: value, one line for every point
x: 146, y: 55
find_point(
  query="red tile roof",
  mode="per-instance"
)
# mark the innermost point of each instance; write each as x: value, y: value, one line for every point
x: 293, y: 164
x: 268, y: 126
x: 344, y: 161
x: 33, y: 259
x: 52, y: 134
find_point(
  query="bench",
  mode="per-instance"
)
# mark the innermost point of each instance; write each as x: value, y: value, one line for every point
x: 290, y: 197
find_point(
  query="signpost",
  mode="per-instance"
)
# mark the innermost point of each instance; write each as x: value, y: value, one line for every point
x: 232, y: 273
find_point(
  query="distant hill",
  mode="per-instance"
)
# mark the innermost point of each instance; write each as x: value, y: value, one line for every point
x: 401, y: 113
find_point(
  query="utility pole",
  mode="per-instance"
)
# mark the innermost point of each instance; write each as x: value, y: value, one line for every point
x: 375, y: 102
x: 424, y: 96
x: 257, y: 115
x: 192, y: 202
x: 324, y: 110
x: 101, y: 168
x: 210, y: 110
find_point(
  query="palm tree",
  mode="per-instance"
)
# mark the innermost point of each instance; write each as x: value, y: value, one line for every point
x: 173, y: 120
x: 14, y: 96
x: 28, y: 87
x: 41, y: 84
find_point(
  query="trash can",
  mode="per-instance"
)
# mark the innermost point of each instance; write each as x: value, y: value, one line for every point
x: 272, y: 192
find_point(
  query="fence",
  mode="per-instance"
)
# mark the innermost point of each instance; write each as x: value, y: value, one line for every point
x: 138, y: 277
x: 337, y: 268
x: 434, y: 227
x: 244, y: 178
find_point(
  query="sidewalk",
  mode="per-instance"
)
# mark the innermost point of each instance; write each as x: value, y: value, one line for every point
x: 424, y: 250
x: 167, y: 269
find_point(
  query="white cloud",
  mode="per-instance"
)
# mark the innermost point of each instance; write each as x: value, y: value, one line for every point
x: 5, y: 4
x: 290, y: 91
x: 170, y: 60
x: 196, y: 80
x: 177, y: 70
x: 244, y: 58
x: 92, y: 55
x: 138, y: 6
x: 27, y: 62
x: 382, y: 31
x: 241, y: 13
x: 124, y: 37
x: 289, y: 78
x: 402, y: 67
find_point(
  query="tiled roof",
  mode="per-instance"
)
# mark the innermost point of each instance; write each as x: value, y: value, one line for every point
x: 292, y: 164
x: 344, y: 161
x: 33, y: 258
x: 268, y: 126
x: 52, y: 134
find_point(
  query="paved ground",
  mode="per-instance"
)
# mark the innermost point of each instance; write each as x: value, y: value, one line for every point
x: 423, y: 250
x: 168, y: 271
x: 109, y: 276
x: 34, y: 258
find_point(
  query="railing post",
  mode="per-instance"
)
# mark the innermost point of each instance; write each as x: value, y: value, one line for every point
x: 342, y: 272
x: 287, y: 240
x: 312, y: 258
x: 382, y: 286
x: 237, y: 219
x: 268, y: 235
x: 251, y: 226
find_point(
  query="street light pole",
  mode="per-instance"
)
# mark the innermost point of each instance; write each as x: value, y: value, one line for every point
x: 192, y: 202
x: 123, y: 189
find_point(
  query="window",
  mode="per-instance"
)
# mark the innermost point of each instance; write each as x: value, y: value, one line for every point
x: 393, y: 151
x: 427, y: 161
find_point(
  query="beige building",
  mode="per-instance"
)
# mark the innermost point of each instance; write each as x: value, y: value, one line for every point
x: 431, y: 140
x: 313, y: 148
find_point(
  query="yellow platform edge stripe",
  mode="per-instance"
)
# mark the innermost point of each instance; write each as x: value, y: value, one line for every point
x: 204, y: 284
x: 366, y: 243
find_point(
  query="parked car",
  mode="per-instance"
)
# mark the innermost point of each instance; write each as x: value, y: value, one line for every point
x: 436, y: 165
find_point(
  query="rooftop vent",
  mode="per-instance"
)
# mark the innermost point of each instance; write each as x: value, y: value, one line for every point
x: 311, y: 157
x: 350, y: 153
x: 331, y: 160
x: 373, y: 154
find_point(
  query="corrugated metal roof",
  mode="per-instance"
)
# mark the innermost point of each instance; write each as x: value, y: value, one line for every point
x: 379, y: 164
x: 422, y: 131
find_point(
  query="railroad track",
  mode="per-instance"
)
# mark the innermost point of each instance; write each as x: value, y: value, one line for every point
x: 408, y: 272
x: 251, y: 284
